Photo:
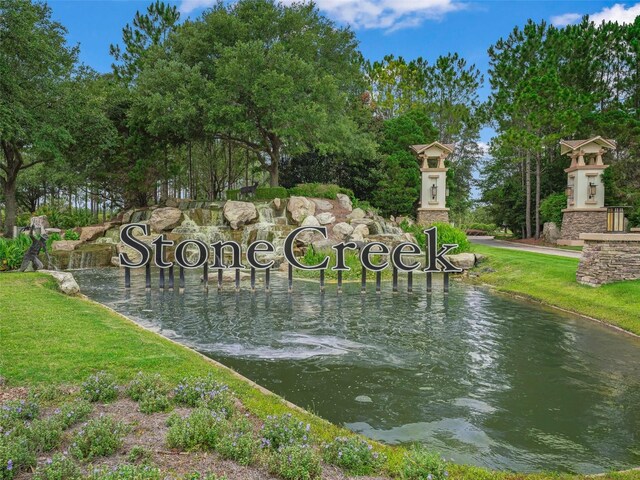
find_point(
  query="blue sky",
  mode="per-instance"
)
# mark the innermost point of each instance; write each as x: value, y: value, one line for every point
x: 409, y: 28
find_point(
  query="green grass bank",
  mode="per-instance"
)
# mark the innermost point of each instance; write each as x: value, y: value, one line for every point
x: 47, y: 338
x: 552, y: 280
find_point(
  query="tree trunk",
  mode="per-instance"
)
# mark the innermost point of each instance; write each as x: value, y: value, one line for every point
x: 538, y: 189
x: 527, y: 187
x: 230, y: 156
x: 11, y: 205
x: 274, y: 172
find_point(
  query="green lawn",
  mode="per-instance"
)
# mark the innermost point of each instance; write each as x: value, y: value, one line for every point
x: 552, y: 280
x: 49, y: 338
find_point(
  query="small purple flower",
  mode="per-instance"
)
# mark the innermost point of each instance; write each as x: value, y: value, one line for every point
x: 10, y: 465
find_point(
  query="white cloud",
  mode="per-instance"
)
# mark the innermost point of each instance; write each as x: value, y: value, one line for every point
x: 618, y: 13
x: 565, y: 19
x: 188, y: 6
x: 388, y: 15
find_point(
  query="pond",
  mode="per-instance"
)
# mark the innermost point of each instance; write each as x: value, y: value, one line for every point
x: 480, y: 377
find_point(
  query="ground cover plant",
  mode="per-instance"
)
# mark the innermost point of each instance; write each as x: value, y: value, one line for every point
x: 78, y: 339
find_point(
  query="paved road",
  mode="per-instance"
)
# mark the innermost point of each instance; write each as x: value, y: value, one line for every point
x: 492, y: 242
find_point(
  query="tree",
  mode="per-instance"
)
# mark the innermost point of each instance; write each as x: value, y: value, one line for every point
x: 278, y: 79
x: 35, y: 66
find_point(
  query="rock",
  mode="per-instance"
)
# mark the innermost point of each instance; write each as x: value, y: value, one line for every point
x: 357, y: 214
x: 89, y: 234
x: 550, y: 232
x: 299, y: 208
x: 480, y: 258
x: 126, y: 216
x: 363, y: 399
x: 409, y: 220
x: 65, y: 245
x: 362, y: 230
x: 308, y: 237
x: 165, y: 218
x: 49, y: 231
x: 41, y: 222
x: 239, y: 214
x: 325, y: 218
x: 465, y: 261
x: 310, y: 221
x: 66, y: 282
x: 115, y: 261
x: 344, y: 201
x: 276, y: 203
x: 172, y: 202
x: 323, y: 244
x: 342, y: 230
x: 356, y: 237
x: 322, y: 204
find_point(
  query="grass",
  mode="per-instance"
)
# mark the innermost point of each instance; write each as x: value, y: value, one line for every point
x: 552, y: 280
x: 47, y: 338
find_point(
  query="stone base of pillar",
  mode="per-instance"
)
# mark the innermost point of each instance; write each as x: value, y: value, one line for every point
x: 608, y: 258
x: 429, y: 216
x: 575, y: 222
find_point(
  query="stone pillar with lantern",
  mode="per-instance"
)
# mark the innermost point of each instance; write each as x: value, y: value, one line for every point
x: 434, y: 191
x: 585, y: 212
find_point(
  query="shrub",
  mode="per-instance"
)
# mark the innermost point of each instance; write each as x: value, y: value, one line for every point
x: 319, y: 190
x: 154, y: 402
x: 127, y: 472
x: 262, y: 193
x: 551, y: 208
x: 64, y: 218
x: 205, y: 392
x: 59, y: 467
x: 14, y: 411
x: 12, y: 251
x: 201, y: 429
x: 70, y: 234
x: 73, y: 412
x: 295, y: 462
x: 420, y: 463
x: 447, y: 234
x: 15, y: 456
x: 44, y: 435
x: 354, y: 455
x: 98, y: 438
x: 238, y: 443
x: 139, y: 454
x: 144, y: 384
x: 283, y: 430
x: 100, y: 387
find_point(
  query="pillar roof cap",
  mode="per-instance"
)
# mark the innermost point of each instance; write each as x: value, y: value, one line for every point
x: 445, y: 147
x: 569, y: 146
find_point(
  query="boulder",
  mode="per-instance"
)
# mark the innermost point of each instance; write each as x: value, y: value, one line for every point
x: 342, y: 230
x: 65, y: 245
x: 49, y: 231
x: 344, y: 201
x: 325, y: 218
x: 239, y: 214
x: 356, y: 237
x: 550, y: 232
x: 322, y: 204
x: 276, y: 203
x: 357, y: 214
x: 41, y: 222
x: 165, y: 218
x: 466, y: 261
x: 89, y: 234
x: 362, y: 230
x: 308, y: 237
x: 66, y: 282
x: 299, y: 208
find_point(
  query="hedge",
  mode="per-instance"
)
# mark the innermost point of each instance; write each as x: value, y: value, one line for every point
x: 262, y: 193
x: 319, y: 190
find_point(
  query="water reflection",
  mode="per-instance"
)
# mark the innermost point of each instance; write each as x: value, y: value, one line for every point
x: 482, y: 378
